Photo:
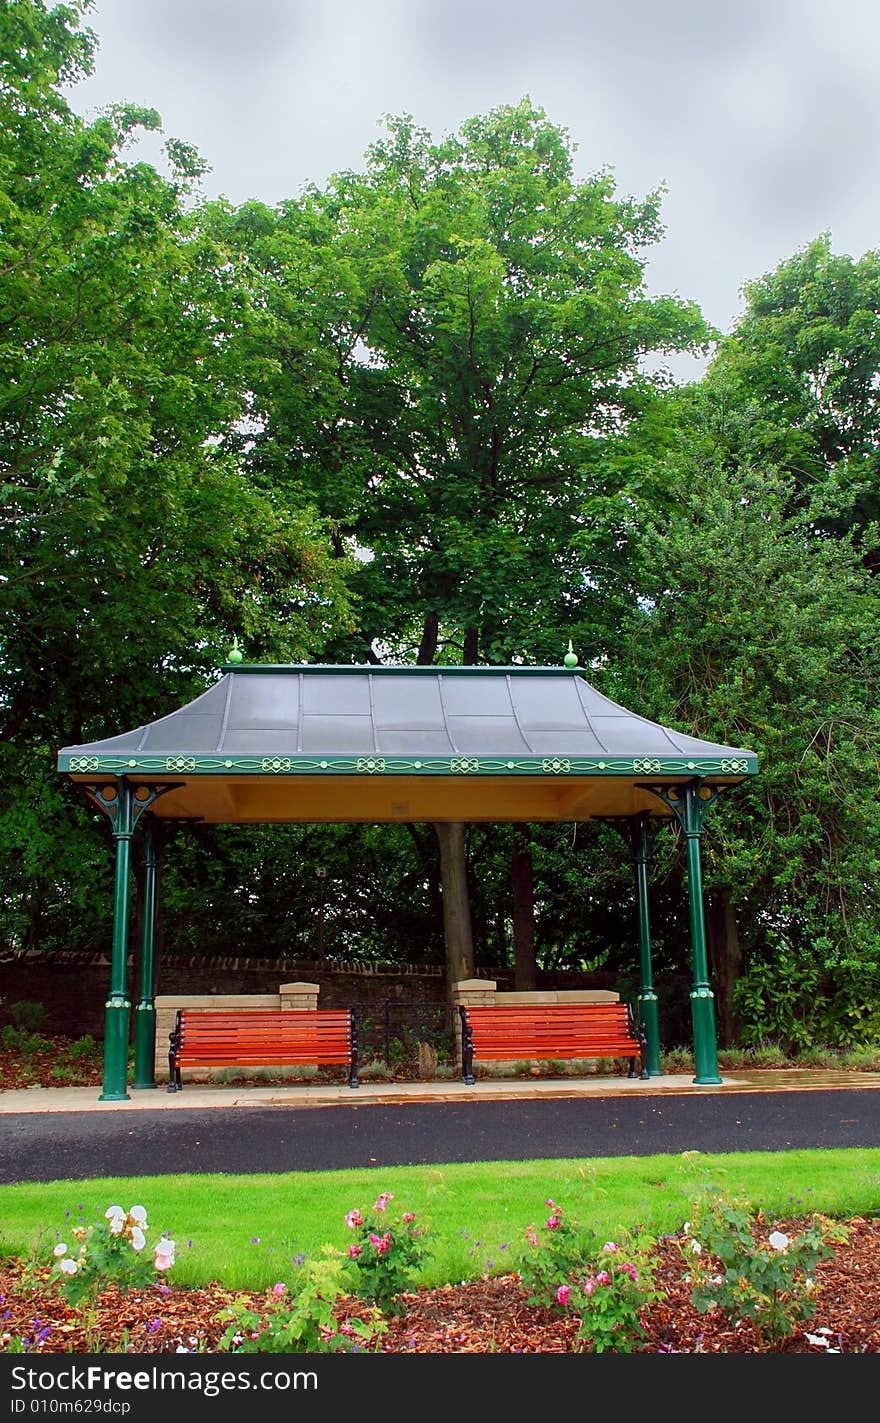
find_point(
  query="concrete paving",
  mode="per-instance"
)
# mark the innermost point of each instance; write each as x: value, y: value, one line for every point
x: 198, y: 1096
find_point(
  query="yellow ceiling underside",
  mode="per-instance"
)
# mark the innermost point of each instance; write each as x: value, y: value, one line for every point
x: 243, y: 800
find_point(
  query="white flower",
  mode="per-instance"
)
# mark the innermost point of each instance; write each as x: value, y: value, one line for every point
x: 116, y: 1217
x: 60, y: 1248
x: 696, y: 1247
x: 138, y: 1239
x: 68, y: 1267
x: 778, y: 1240
x: 139, y: 1215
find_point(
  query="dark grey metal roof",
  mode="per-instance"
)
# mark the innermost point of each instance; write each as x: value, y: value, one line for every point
x: 404, y: 720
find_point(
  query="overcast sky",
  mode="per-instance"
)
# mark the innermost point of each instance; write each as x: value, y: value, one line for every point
x: 761, y: 117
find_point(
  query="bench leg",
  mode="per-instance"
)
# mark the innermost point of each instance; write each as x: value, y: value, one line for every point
x: 174, y: 1084
x: 467, y: 1050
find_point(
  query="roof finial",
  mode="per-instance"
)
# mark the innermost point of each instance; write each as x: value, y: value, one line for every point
x: 236, y: 654
x: 571, y: 658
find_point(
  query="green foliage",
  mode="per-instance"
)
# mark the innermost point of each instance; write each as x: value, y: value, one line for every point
x: 756, y: 629
x: 798, y: 373
x: 28, y: 1015
x: 445, y: 347
x: 385, y: 1255
x: 113, y: 1252
x: 738, y: 1266
x: 132, y: 543
x: 303, y: 1321
x: 84, y: 1049
x: 563, y: 1247
x: 20, y: 1041
x: 800, y: 1003
x: 611, y: 1301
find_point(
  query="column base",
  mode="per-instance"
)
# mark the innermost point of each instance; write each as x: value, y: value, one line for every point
x: 707, y: 1081
x: 114, y: 1097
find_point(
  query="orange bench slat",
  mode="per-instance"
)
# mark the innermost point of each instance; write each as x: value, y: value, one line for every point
x: 263, y: 1037
x: 544, y: 1031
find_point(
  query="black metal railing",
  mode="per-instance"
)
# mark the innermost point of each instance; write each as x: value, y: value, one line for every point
x: 412, y: 1038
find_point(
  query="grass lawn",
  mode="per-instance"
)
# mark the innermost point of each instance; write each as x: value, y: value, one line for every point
x: 246, y: 1232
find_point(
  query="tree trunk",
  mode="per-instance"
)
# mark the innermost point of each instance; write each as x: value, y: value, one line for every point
x: 725, y: 962
x: 428, y: 645
x: 456, y: 904
x: 525, y: 968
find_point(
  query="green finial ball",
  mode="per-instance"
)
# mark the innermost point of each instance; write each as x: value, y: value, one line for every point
x: 571, y: 658
x: 236, y: 654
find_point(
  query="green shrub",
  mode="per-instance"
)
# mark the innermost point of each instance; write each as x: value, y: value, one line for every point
x: 28, y: 1015
x: 85, y: 1049
x: 739, y: 1266
x: 677, y: 1060
x: 20, y: 1041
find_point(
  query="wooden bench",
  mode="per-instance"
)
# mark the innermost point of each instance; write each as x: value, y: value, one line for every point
x: 262, y: 1037
x: 546, y: 1031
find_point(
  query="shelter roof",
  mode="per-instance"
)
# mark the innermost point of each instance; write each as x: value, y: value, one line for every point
x: 327, y: 742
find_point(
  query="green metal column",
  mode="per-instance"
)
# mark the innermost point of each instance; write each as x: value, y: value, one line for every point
x: 702, y: 997
x: 145, y: 1012
x: 117, y: 1007
x: 647, y: 998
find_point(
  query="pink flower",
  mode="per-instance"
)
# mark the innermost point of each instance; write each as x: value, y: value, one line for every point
x: 632, y: 1272
x: 603, y: 1278
x: 549, y: 1203
x: 354, y: 1251
x: 382, y: 1242
x: 279, y: 1289
x: 407, y: 1217
x: 553, y: 1222
x: 589, y: 1286
x: 354, y: 1219
x: 562, y: 1294
x: 610, y: 1245
x: 531, y: 1237
x: 382, y: 1203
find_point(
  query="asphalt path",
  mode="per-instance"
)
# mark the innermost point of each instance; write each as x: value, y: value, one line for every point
x: 59, y: 1146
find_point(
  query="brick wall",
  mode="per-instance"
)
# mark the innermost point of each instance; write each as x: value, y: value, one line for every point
x: 73, y: 987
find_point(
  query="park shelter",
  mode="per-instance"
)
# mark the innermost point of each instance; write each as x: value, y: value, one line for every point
x: 319, y: 743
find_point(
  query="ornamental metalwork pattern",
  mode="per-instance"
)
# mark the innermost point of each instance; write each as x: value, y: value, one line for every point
x: 404, y: 765
x: 276, y: 764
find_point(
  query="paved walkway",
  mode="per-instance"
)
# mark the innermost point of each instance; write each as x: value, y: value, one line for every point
x: 266, y: 1094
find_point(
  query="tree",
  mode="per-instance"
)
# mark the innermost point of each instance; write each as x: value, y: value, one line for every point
x: 469, y: 324
x: 132, y: 544
x: 802, y: 360
x: 758, y: 628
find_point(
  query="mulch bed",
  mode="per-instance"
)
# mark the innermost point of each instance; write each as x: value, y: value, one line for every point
x: 487, y: 1315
